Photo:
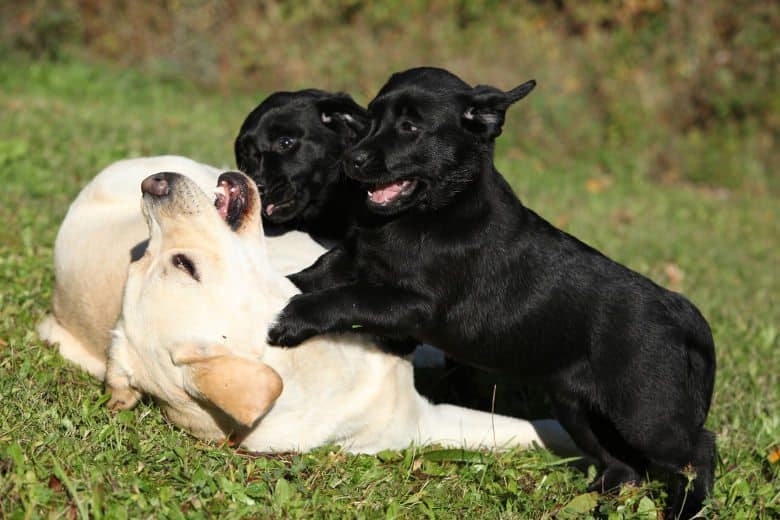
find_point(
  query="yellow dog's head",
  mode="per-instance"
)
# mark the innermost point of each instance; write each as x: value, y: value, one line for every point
x: 191, y: 332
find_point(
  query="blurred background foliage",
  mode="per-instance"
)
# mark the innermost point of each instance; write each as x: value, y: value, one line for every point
x: 679, y: 91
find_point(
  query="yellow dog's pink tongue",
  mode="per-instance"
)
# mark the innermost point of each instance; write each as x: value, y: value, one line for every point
x: 222, y: 199
x: 387, y: 192
x: 224, y: 192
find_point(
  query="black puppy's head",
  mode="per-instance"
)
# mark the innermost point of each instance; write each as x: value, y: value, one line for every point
x: 292, y: 145
x: 430, y: 136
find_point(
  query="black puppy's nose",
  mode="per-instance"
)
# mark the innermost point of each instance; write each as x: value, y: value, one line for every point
x: 156, y: 185
x: 359, y: 158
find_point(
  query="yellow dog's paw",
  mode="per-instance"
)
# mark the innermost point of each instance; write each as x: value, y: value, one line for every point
x: 123, y: 398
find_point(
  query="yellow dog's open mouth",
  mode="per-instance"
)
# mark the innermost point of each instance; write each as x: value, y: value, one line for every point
x: 232, y: 198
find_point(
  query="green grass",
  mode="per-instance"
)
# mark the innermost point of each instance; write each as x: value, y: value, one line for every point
x: 63, y: 455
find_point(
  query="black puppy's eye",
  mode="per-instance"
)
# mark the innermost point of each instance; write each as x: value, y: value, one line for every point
x: 181, y: 261
x: 408, y: 126
x: 284, y: 143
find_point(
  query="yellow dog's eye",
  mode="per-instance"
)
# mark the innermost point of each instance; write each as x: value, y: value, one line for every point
x: 182, y: 262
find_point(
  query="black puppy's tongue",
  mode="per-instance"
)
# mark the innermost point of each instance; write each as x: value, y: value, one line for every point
x: 385, y: 193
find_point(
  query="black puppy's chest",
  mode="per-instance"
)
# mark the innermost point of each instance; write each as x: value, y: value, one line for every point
x: 388, y: 256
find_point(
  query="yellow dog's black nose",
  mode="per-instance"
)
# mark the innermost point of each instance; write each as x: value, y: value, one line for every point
x: 156, y: 185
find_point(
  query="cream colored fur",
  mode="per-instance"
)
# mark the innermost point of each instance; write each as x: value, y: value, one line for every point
x: 336, y: 389
x: 103, y: 226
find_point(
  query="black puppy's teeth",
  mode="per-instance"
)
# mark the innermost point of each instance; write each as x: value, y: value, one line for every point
x: 391, y: 192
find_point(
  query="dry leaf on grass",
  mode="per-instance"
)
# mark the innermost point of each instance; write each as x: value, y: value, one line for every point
x: 674, y: 274
x: 774, y: 455
x: 597, y: 184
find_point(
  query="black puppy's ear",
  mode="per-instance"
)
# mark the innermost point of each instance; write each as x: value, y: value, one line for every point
x: 488, y: 105
x: 340, y: 113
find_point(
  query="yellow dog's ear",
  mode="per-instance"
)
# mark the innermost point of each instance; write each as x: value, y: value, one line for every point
x: 242, y: 388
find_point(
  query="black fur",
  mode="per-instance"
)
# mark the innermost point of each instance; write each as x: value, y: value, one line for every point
x: 460, y: 263
x: 291, y: 145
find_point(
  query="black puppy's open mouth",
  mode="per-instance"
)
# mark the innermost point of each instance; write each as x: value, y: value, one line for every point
x: 231, y: 198
x: 391, y: 192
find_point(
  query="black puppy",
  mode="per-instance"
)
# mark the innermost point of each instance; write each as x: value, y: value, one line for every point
x: 453, y: 258
x: 292, y: 145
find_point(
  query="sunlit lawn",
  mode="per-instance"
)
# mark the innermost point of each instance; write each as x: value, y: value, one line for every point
x: 63, y: 454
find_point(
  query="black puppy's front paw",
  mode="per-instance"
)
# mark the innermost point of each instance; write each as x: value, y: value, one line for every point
x: 293, y: 325
x: 285, y: 334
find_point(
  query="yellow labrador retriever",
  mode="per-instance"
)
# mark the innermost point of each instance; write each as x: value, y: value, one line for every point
x: 100, y: 235
x: 192, y: 332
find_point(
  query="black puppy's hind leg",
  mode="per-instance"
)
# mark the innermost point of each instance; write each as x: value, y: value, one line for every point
x: 671, y: 438
x: 575, y: 417
x: 670, y: 444
x: 686, y: 498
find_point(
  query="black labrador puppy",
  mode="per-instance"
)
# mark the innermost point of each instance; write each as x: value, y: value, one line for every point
x: 453, y: 258
x: 292, y: 146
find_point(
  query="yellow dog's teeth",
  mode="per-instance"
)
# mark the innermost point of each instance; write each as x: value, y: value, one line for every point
x: 221, y: 190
